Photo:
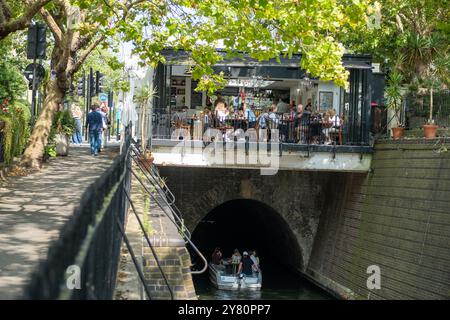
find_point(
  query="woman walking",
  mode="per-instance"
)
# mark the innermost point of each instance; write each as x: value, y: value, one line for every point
x: 77, y: 137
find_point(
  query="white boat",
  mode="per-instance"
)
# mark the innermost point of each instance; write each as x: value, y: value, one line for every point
x: 224, y: 281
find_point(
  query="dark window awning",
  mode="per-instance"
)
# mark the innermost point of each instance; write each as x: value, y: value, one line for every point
x: 356, y: 65
x: 181, y: 57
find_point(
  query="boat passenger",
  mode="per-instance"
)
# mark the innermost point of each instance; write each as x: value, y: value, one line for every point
x: 235, y: 260
x: 246, y: 265
x: 216, y: 257
x: 255, y: 259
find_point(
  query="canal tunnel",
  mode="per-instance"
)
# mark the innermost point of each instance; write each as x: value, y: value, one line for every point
x: 252, y: 225
x: 234, y: 208
x: 248, y: 225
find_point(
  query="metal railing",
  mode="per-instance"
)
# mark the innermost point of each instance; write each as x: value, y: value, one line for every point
x: 90, y: 242
x: 158, y: 263
x: 152, y: 174
x: 309, y: 128
x: 417, y: 106
x: 170, y: 210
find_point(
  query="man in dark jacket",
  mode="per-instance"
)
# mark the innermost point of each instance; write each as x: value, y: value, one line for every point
x: 95, y: 126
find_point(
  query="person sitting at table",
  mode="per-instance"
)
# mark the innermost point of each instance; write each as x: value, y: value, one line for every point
x: 282, y: 107
x: 299, y: 111
x: 249, y: 115
x: 308, y: 105
x: 207, y: 118
x: 267, y: 117
x: 220, y: 110
x: 326, y: 125
x: 180, y: 118
x: 302, y: 124
x: 240, y: 114
x: 331, y: 124
x: 273, y: 117
x: 315, y: 127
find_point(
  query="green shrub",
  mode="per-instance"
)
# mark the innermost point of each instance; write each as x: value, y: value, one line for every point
x: 64, y: 122
x: 15, y: 134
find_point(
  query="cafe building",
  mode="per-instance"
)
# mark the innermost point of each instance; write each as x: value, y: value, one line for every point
x: 259, y: 83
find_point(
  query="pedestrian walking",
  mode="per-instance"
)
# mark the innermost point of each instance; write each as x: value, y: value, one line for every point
x: 95, y: 126
x: 77, y: 114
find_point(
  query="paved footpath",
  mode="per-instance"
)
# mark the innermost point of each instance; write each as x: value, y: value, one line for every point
x: 34, y: 208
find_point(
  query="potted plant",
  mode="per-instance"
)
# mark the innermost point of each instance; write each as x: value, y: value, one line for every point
x: 144, y: 98
x: 430, y: 128
x: 394, y: 98
x: 64, y: 126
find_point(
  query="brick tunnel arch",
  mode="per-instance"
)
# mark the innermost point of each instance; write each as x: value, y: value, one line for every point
x: 249, y: 224
x: 297, y: 198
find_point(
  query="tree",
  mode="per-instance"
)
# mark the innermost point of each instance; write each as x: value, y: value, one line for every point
x: 262, y: 28
x: 17, y: 15
x: 143, y: 98
x: 394, y: 95
x: 412, y: 38
x: 78, y: 27
x: 12, y: 81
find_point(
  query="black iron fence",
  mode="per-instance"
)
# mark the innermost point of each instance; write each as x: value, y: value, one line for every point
x: 89, y: 244
x: 417, y: 106
x: 307, y: 128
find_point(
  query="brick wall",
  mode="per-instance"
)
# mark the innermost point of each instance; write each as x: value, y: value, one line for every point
x: 296, y: 197
x: 175, y: 262
x: 169, y: 247
x: 397, y: 217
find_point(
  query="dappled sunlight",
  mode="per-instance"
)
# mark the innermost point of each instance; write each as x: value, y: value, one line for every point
x: 35, y: 208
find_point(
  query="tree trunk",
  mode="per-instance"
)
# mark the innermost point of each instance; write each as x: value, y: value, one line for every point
x: 33, y: 154
x: 143, y: 130
x: 431, y: 105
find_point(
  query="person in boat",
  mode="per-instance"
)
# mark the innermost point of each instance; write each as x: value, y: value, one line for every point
x: 246, y: 265
x: 255, y: 259
x: 216, y: 258
x: 236, y: 260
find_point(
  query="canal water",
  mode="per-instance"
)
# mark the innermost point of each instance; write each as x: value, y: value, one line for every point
x: 250, y: 225
x: 278, y: 284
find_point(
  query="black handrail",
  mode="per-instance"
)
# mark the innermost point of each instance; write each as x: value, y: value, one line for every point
x: 180, y: 229
x: 175, y: 211
x: 155, y: 175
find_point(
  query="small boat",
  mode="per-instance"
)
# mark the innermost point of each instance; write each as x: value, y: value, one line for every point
x: 225, y: 281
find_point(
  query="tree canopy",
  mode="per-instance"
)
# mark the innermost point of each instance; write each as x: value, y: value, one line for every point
x: 411, y: 38
x: 17, y: 15
x: 12, y: 82
x: 264, y: 29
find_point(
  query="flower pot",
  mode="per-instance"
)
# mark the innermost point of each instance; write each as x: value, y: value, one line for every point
x: 147, y: 161
x: 62, y: 144
x: 429, y: 131
x: 397, y: 132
